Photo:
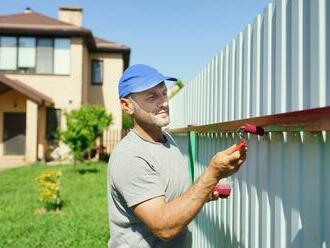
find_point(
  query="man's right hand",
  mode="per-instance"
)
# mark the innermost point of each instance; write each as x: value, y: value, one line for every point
x: 228, y: 162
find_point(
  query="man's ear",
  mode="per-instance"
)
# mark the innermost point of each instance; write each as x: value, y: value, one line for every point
x: 127, y: 105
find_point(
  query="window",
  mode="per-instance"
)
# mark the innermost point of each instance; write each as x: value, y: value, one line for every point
x: 26, y: 53
x: 45, y: 56
x: 62, y: 56
x: 97, y: 72
x: 8, y: 53
x: 53, y: 121
x: 30, y: 54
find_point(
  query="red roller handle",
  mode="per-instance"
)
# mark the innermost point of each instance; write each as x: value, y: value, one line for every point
x: 225, y: 190
x: 249, y: 128
x: 240, y: 146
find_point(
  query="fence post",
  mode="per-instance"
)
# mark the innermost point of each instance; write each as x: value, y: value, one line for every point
x: 192, y: 153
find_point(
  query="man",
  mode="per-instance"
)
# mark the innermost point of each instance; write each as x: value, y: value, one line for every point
x: 150, y: 201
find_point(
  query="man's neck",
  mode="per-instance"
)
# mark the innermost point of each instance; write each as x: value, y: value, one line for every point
x: 153, y: 134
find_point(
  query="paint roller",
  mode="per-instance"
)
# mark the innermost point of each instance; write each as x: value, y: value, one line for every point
x: 223, y: 187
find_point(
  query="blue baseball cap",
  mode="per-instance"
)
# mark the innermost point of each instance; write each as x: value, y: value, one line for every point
x: 137, y: 78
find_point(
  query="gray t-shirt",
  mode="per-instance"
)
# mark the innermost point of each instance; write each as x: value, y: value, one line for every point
x: 138, y: 171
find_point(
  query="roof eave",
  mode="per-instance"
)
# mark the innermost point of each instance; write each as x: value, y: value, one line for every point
x: 27, y: 91
x: 123, y: 50
x: 44, y: 31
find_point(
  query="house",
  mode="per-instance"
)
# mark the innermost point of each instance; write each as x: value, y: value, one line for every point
x: 47, y: 67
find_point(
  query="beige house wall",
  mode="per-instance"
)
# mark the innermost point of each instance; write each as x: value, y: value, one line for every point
x: 31, y: 137
x: 42, y: 142
x: 86, y: 73
x: 107, y: 93
x: 71, y: 91
x: 68, y: 92
x: 65, y: 90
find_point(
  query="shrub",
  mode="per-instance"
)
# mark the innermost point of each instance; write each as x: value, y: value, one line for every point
x: 83, y: 127
x: 49, y: 184
x: 127, y: 121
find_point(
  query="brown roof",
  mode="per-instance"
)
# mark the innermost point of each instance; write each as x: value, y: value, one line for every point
x: 7, y: 83
x: 32, y: 23
x: 109, y: 46
x: 101, y: 45
x: 35, y: 23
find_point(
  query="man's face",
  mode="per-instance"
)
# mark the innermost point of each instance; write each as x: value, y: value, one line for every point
x: 151, y: 106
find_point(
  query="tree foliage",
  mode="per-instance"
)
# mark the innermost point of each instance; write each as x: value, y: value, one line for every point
x: 127, y: 121
x: 83, y: 127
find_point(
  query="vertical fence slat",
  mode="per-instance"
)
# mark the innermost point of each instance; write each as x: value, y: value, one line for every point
x: 297, y: 55
x: 225, y: 83
x: 231, y: 81
x: 280, y: 58
x: 220, y: 87
x: 256, y: 56
x: 239, y: 77
x: 267, y: 65
x: 318, y: 46
x: 215, y: 90
x: 264, y: 178
x: 247, y: 72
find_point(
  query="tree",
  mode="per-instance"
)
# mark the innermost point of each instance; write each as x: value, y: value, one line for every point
x: 84, y: 126
x: 127, y: 121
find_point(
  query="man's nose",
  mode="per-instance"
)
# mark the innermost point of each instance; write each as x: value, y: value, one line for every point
x: 163, y: 101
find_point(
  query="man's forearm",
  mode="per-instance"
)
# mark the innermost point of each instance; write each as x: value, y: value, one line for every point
x: 177, y: 214
x: 166, y: 220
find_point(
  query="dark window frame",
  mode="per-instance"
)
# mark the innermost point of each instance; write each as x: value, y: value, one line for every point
x: 33, y: 71
x: 92, y: 72
x: 16, y: 38
x: 26, y: 69
x: 49, y: 134
x: 53, y: 53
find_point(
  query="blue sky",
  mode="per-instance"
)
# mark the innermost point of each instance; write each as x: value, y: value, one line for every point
x: 178, y: 37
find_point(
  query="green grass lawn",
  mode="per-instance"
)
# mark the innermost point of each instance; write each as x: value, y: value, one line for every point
x: 82, y: 221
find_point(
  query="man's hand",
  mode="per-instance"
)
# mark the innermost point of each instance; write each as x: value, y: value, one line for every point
x: 228, y: 162
x: 213, y: 196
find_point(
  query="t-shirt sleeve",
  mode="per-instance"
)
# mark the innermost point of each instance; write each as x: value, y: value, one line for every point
x: 137, y: 180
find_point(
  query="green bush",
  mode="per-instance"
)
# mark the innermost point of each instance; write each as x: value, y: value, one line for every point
x: 49, y: 192
x: 83, y: 127
x: 127, y: 121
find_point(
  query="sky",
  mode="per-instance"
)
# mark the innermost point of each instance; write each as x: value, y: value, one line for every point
x: 178, y: 37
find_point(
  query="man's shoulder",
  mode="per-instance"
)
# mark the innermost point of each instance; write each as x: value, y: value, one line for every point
x: 127, y: 150
x: 128, y: 145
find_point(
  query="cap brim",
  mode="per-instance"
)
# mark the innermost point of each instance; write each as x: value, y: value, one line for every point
x: 152, y: 83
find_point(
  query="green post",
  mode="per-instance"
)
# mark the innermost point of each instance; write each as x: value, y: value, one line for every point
x: 192, y: 153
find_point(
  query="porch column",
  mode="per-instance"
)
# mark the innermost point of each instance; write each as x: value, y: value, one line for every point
x: 31, y: 131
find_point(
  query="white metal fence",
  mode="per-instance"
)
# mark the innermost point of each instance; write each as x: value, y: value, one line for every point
x: 279, y: 197
x: 279, y: 63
